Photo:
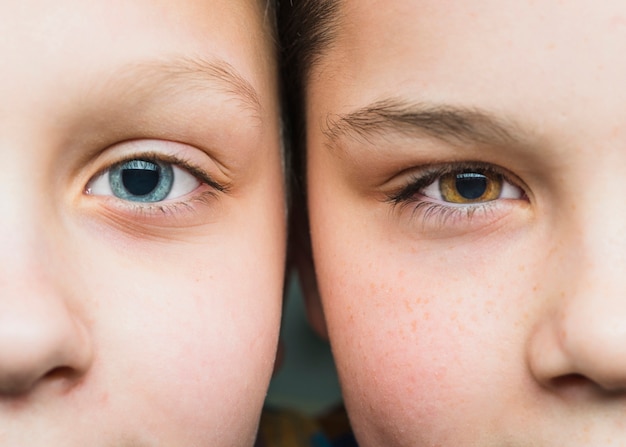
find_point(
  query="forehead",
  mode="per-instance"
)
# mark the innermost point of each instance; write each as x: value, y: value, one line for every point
x: 446, y: 51
x: 82, y: 37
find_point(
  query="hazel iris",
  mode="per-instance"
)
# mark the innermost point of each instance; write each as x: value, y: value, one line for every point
x: 470, y: 187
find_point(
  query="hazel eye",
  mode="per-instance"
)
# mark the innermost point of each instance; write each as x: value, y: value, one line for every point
x: 140, y: 180
x: 471, y: 186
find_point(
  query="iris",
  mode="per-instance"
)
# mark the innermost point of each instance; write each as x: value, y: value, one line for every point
x: 141, y: 180
x: 470, y: 186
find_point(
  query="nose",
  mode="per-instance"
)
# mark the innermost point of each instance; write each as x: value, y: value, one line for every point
x: 41, y: 339
x: 581, y: 337
x: 581, y: 345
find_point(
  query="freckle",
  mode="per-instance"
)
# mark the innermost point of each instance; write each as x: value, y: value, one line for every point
x: 407, y: 305
x: 426, y: 316
x: 401, y: 274
x: 414, y: 326
x: 522, y: 268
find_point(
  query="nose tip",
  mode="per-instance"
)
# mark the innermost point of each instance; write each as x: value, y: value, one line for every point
x: 40, y: 344
x: 598, y: 351
x: 581, y: 348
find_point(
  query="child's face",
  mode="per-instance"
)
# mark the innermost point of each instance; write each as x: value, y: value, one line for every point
x: 139, y: 307
x: 466, y: 178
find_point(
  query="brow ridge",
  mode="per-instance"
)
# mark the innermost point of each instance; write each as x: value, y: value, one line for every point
x: 450, y: 123
x: 194, y: 74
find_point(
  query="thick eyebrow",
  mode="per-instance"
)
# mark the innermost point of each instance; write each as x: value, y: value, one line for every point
x: 188, y: 75
x: 449, y: 123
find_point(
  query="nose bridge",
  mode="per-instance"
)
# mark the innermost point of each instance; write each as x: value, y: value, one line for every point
x: 597, y: 262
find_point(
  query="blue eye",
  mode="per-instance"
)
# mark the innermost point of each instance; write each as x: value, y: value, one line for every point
x: 140, y: 180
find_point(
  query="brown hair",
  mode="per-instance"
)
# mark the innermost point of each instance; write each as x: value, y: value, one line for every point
x: 305, y: 28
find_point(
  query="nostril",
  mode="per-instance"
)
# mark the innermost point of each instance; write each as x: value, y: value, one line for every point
x: 579, y: 386
x: 575, y: 386
x: 570, y: 381
x: 60, y: 373
x: 20, y: 384
x: 45, y: 345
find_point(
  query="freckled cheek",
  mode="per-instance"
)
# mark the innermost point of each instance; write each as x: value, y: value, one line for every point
x: 399, y: 356
x: 413, y: 342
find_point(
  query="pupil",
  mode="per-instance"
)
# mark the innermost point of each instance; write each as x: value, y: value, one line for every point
x: 140, y: 182
x: 471, y: 185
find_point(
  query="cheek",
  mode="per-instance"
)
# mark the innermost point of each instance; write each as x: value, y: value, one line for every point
x: 423, y: 337
x: 187, y: 336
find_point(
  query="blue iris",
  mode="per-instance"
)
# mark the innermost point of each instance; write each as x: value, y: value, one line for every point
x: 141, y: 180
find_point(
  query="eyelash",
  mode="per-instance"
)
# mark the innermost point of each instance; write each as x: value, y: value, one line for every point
x: 442, y: 213
x: 171, y: 207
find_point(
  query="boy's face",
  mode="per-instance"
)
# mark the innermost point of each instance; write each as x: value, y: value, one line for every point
x: 142, y: 226
x: 466, y: 178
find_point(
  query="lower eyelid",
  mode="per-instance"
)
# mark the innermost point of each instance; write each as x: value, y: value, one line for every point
x: 428, y: 219
x: 201, y: 207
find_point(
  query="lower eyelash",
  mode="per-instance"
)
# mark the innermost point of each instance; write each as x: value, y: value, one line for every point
x: 176, y: 213
x: 428, y: 211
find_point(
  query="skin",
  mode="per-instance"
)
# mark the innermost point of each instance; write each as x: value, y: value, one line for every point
x: 124, y: 323
x: 493, y: 324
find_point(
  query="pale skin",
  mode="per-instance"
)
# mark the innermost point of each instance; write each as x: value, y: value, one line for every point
x: 492, y: 323
x: 126, y: 323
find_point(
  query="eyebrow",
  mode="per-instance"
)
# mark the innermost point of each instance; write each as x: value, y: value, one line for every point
x: 449, y: 123
x: 190, y: 75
